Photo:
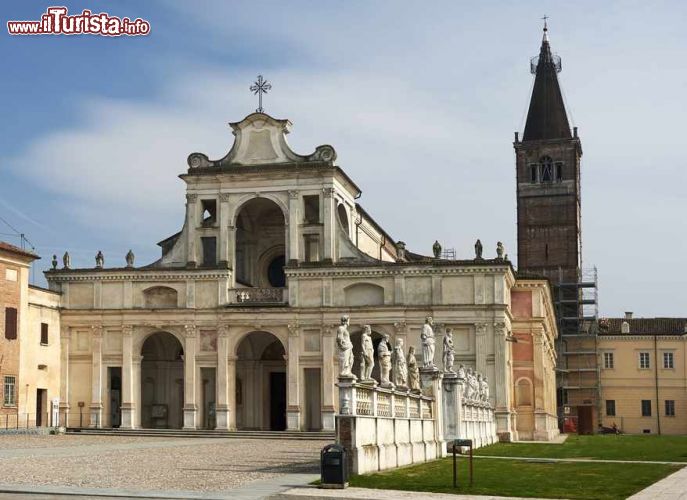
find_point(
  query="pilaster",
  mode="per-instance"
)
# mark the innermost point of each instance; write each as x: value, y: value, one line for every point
x: 65, y: 339
x: 191, y: 222
x: 128, y: 407
x: 96, y: 408
x: 293, y: 409
x: 481, y: 347
x: 190, y: 407
x: 329, y: 211
x: 223, y: 256
x: 501, y: 384
x: 328, y: 410
x: 293, y: 224
x: 223, y: 408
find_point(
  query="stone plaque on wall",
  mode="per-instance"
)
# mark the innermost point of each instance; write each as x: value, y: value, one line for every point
x: 208, y: 340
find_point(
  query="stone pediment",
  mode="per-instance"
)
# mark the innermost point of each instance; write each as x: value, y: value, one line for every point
x: 261, y: 140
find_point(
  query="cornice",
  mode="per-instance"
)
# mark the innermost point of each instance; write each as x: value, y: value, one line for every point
x: 633, y: 337
x: 135, y: 275
x: 392, y: 269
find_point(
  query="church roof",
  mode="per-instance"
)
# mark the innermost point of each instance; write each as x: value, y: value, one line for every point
x: 546, y: 118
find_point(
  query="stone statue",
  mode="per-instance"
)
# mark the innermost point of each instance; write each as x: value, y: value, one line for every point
x: 436, y: 248
x: 471, y: 384
x: 130, y: 258
x: 427, y: 337
x: 54, y: 261
x: 384, y: 357
x: 461, y: 371
x: 67, y: 260
x: 400, y: 251
x: 361, y: 365
x: 345, y: 347
x: 413, y: 371
x: 478, y: 250
x: 99, y: 260
x: 400, y: 366
x: 484, y: 389
x: 449, y: 354
x: 499, y: 250
x: 367, y: 360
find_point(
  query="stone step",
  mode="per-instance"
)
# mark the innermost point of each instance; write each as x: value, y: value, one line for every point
x: 200, y: 433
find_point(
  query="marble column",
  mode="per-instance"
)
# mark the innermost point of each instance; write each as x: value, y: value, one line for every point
x: 328, y: 387
x: 223, y: 408
x: 65, y: 338
x: 329, y: 212
x: 502, y: 383
x: 293, y: 408
x: 292, y: 229
x: 128, y: 406
x: 223, y: 219
x: 191, y: 223
x: 190, y: 407
x: 96, y: 407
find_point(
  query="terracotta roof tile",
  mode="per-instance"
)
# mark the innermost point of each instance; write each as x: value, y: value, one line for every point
x: 644, y: 326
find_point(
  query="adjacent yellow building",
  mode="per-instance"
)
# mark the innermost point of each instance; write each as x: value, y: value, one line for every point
x: 643, y: 365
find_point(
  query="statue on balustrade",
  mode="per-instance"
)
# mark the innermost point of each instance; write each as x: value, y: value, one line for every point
x: 400, y: 366
x: 384, y: 357
x: 484, y: 389
x: 471, y: 386
x: 428, y: 343
x: 461, y: 371
x: 449, y: 355
x: 367, y: 359
x: 345, y: 348
x: 413, y: 371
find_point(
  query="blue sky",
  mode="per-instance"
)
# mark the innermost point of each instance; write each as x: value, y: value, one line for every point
x: 420, y: 101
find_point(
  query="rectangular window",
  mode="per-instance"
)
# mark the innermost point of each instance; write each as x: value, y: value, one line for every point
x: 209, y: 250
x: 311, y: 206
x: 668, y: 360
x: 646, y: 407
x: 44, y: 334
x: 644, y: 360
x: 610, y: 407
x: 209, y: 217
x: 10, y: 323
x: 670, y: 408
x: 312, y: 247
x: 608, y: 360
x: 10, y: 398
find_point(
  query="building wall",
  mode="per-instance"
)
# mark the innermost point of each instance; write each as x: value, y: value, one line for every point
x: 627, y: 384
x: 14, y: 275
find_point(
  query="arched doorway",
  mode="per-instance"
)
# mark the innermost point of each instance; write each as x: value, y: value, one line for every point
x: 162, y: 382
x: 261, y: 383
x: 260, y: 244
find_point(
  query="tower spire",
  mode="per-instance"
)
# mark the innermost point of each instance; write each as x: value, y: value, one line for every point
x: 547, y: 117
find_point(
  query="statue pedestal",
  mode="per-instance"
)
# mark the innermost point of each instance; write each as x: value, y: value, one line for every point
x: 346, y: 394
x: 431, y: 382
x: 368, y: 381
x: 452, y: 395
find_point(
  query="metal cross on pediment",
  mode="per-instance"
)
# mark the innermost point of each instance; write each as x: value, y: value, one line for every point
x: 259, y: 87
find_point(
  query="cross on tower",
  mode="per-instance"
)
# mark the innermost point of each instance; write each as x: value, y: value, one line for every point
x: 259, y: 87
x: 544, y: 19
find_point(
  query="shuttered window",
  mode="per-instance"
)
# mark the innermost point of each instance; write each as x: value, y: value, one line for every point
x: 44, y: 333
x: 10, y: 323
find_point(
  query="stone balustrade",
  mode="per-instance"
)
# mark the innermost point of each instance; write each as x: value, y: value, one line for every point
x: 467, y: 418
x: 249, y: 295
x: 382, y: 428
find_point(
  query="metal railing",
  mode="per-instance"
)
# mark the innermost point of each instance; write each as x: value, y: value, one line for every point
x: 257, y: 295
x: 27, y: 420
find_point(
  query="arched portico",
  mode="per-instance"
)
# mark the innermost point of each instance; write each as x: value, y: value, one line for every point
x: 261, y: 382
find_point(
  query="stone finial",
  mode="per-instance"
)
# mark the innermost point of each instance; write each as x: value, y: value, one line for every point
x: 436, y: 248
x: 54, y: 261
x: 99, y: 260
x: 66, y: 260
x: 499, y: 251
x: 130, y: 258
x: 478, y: 250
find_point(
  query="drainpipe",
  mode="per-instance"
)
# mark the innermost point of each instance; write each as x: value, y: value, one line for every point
x: 658, y: 407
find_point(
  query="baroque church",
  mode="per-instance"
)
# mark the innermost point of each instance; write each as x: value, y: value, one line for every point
x: 233, y: 327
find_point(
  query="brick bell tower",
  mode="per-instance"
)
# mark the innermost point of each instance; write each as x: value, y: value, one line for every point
x: 548, y: 179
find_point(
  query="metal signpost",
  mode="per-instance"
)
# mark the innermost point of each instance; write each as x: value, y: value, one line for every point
x: 457, y: 443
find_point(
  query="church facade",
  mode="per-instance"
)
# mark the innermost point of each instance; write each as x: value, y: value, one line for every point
x: 233, y: 327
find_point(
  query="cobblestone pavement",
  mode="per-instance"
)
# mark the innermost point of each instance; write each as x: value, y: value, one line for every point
x: 142, y: 463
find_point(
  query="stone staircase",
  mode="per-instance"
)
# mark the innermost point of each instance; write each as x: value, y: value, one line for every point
x: 199, y: 433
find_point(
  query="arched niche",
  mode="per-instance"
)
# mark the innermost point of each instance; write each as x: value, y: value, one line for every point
x: 364, y: 294
x: 160, y: 297
x: 523, y: 392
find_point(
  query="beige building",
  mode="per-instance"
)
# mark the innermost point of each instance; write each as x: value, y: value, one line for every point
x: 643, y: 366
x: 233, y: 327
x: 29, y: 343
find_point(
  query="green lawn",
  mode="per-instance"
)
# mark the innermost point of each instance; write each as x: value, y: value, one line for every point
x: 610, y: 447
x: 524, y: 479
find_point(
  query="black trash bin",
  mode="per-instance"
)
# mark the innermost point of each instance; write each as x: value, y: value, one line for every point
x: 333, y: 467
